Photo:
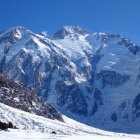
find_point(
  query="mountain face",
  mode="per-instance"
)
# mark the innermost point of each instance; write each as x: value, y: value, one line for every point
x: 93, y: 77
x: 18, y: 96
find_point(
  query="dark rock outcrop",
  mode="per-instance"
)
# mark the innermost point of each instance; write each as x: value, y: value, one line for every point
x: 22, y: 97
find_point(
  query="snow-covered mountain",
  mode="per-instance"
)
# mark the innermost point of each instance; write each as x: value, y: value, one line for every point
x: 19, y: 96
x: 92, y: 77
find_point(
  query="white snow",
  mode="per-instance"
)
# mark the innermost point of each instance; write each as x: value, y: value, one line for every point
x: 74, y: 48
x: 33, y: 127
x: 16, y: 99
x: 24, y: 135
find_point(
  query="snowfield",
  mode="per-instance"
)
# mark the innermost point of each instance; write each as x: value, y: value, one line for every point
x: 33, y: 127
x: 26, y: 135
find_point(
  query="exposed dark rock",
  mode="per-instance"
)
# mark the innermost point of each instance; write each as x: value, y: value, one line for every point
x: 112, y: 78
x: 10, y: 125
x: 114, y: 117
x: 53, y: 132
x: 24, y: 98
x: 5, y: 126
x: 94, y: 109
x: 136, y: 107
x: 77, y: 103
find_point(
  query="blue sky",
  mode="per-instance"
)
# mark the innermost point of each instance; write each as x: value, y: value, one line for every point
x: 116, y: 16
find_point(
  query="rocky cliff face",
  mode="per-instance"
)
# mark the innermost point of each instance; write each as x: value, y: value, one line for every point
x: 91, y: 75
x: 21, y: 97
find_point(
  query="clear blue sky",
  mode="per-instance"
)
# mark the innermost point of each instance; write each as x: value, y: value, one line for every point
x: 116, y: 16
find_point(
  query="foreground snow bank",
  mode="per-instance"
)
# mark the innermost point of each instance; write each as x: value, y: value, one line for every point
x: 24, y: 135
x: 37, y: 127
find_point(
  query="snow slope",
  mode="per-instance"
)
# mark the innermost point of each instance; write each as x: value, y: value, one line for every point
x: 36, y: 127
x: 27, y: 121
x: 24, y: 135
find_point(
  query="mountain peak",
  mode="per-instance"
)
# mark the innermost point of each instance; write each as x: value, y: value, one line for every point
x: 69, y: 30
x: 44, y: 33
x: 18, y: 27
x: 14, y: 33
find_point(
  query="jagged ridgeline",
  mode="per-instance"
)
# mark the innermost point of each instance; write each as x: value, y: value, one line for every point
x: 24, y: 98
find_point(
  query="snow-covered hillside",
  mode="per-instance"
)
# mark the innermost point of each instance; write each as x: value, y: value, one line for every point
x: 37, y: 127
x: 92, y: 77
